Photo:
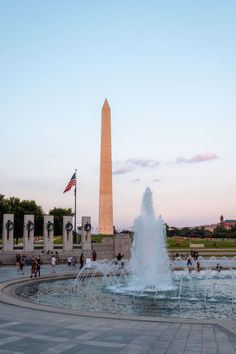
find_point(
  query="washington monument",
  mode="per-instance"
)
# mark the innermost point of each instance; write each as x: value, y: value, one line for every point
x: 105, y: 193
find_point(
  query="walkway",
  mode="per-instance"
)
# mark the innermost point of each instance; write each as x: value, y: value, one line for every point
x: 43, y: 332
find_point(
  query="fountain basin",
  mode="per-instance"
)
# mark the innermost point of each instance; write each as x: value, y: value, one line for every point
x: 198, y: 295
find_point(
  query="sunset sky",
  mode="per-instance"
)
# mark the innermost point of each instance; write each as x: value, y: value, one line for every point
x: 168, y: 71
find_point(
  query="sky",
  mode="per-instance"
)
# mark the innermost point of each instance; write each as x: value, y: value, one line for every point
x: 168, y: 71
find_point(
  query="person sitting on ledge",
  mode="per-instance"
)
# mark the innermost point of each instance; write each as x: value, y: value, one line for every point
x: 189, y: 260
x: 119, y: 257
x: 198, y: 265
x: 218, y: 267
x: 119, y: 260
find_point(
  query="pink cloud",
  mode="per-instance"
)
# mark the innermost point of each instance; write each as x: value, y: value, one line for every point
x: 207, y: 156
x: 121, y: 167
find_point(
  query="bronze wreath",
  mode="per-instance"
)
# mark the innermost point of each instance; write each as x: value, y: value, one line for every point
x: 30, y: 225
x: 9, y: 225
x: 87, y: 227
x: 50, y: 226
x: 69, y: 226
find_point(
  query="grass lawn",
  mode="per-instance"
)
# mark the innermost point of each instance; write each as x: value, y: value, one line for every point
x: 184, y: 243
x: 98, y: 238
x: 94, y: 238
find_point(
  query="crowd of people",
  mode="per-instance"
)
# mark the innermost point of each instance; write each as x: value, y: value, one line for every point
x: 36, y: 262
x: 192, y: 260
x: 184, y: 256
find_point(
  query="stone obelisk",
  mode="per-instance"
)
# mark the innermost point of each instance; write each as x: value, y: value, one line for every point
x: 105, y: 193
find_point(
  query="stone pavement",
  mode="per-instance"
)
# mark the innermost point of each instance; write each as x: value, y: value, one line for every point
x: 43, y: 332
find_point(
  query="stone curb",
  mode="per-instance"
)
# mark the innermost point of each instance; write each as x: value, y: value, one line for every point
x: 8, y: 296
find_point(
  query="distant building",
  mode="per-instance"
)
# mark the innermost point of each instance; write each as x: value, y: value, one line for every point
x: 227, y: 224
x: 210, y: 228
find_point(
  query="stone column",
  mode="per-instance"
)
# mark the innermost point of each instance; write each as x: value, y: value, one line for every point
x: 48, y: 232
x: 86, y: 234
x: 123, y: 245
x: 67, y: 233
x: 8, y: 232
x: 28, y: 233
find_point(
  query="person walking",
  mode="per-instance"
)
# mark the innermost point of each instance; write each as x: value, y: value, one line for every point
x: 74, y: 261
x: 18, y: 259
x: 33, y: 268
x: 57, y: 257
x: 38, y: 266
x: 69, y: 260
x: 94, y: 256
x: 81, y: 260
x: 22, y: 264
x: 53, y: 264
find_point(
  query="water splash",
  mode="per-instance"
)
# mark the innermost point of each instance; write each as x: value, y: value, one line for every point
x: 150, y: 263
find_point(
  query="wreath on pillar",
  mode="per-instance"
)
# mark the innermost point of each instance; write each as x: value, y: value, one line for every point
x: 30, y: 225
x: 49, y: 226
x: 69, y: 226
x: 87, y: 227
x: 9, y: 225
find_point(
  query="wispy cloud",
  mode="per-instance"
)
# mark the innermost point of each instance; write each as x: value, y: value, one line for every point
x: 129, y: 165
x: 156, y: 180
x: 136, y: 180
x: 144, y: 163
x: 123, y: 170
x: 207, y: 156
x: 36, y: 183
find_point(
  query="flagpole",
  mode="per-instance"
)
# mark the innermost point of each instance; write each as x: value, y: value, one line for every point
x: 75, y: 200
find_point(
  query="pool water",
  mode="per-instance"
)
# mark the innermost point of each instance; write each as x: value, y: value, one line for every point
x: 195, y: 295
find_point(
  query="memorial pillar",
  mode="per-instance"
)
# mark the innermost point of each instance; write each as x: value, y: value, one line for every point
x: 48, y: 232
x: 67, y: 233
x: 8, y: 232
x: 86, y: 233
x: 28, y: 233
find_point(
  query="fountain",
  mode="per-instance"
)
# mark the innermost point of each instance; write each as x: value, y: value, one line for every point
x: 147, y: 284
x: 149, y: 265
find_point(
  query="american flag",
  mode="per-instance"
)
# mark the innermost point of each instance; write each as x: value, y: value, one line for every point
x: 71, y: 183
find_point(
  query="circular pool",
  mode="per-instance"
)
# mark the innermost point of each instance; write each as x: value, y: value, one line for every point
x: 198, y: 295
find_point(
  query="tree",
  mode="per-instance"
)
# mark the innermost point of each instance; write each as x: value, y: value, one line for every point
x: 185, y: 232
x: 19, y: 208
x: 173, y: 232
x: 221, y: 232
x: 58, y: 214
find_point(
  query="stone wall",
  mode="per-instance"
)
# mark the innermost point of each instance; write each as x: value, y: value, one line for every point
x: 107, y: 249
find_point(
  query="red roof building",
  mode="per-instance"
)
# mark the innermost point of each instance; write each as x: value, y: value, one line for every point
x: 227, y: 224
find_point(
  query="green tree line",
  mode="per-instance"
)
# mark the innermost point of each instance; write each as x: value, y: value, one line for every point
x: 201, y: 232
x: 19, y: 208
